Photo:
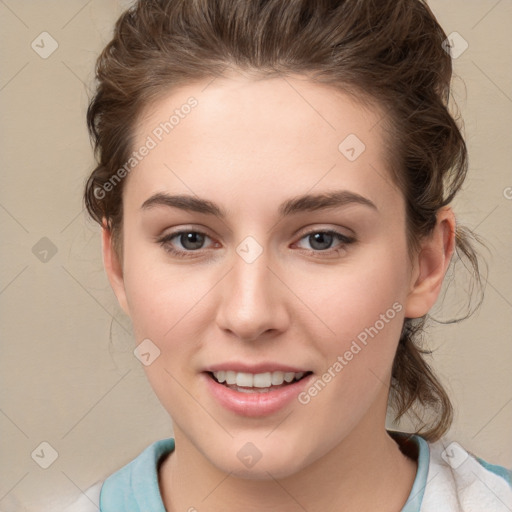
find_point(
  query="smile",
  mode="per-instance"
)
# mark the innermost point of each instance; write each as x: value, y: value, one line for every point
x: 255, y: 394
x: 243, y: 381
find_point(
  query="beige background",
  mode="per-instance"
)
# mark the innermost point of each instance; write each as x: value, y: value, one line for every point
x: 64, y: 381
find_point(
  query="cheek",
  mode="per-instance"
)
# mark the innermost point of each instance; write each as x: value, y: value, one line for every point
x: 358, y: 296
x: 161, y: 296
x: 165, y: 307
x: 363, y: 308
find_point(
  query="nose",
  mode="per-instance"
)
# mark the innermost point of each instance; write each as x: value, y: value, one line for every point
x: 253, y: 302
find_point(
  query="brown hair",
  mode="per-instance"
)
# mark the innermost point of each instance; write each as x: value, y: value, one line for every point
x: 387, y: 52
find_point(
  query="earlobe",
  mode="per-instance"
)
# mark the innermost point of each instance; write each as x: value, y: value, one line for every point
x: 113, y: 267
x: 430, y: 266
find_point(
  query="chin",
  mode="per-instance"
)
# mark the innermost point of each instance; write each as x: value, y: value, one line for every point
x: 274, y: 460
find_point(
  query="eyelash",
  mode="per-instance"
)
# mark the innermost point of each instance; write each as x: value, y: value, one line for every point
x: 165, y: 243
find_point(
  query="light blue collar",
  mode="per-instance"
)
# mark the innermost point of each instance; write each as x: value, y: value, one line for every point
x: 415, y: 443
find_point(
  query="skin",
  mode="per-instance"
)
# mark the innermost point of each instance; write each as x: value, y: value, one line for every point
x: 248, y: 146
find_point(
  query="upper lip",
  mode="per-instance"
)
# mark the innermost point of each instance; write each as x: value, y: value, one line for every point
x: 238, y: 366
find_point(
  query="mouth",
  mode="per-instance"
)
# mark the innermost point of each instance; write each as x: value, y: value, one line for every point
x: 264, y: 382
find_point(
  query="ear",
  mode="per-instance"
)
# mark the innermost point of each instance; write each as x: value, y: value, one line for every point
x: 113, y: 267
x: 430, y: 265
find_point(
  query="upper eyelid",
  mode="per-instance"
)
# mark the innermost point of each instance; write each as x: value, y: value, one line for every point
x: 299, y: 235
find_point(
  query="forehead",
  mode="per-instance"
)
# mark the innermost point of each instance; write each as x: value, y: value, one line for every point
x: 261, y: 139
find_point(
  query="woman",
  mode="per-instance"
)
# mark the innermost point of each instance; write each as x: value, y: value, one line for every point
x: 274, y: 183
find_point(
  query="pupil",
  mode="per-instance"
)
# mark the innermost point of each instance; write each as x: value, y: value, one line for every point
x: 196, y: 240
x: 320, y: 237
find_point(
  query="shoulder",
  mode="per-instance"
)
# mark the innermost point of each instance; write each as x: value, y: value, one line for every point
x: 136, y: 484
x: 459, y: 480
x: 89, y: 501
x: 132, y: 487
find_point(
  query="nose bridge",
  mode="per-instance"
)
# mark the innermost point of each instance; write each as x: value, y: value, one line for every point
x: 250, y: 278
x: 251, y: 298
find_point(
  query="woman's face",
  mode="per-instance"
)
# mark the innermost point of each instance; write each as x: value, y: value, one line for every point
x: 260, y: 290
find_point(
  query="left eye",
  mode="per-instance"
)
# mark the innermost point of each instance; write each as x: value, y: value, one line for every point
x: 322, y: 240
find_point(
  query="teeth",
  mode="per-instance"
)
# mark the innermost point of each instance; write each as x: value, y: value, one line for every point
x: 289, y: 376
x: 244, y: 379
x: 258, y: 380
x: 221, y: 376
x: 262, y: 380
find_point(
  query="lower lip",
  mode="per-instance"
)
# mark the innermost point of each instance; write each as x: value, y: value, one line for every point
x: 255, y: 404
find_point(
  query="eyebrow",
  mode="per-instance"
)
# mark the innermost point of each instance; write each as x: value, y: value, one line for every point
x: 299, y: 204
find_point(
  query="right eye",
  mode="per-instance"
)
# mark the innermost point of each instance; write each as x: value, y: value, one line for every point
x: 191, y: 242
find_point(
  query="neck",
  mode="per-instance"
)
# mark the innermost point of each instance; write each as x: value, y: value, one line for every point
x: 366, y: 471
